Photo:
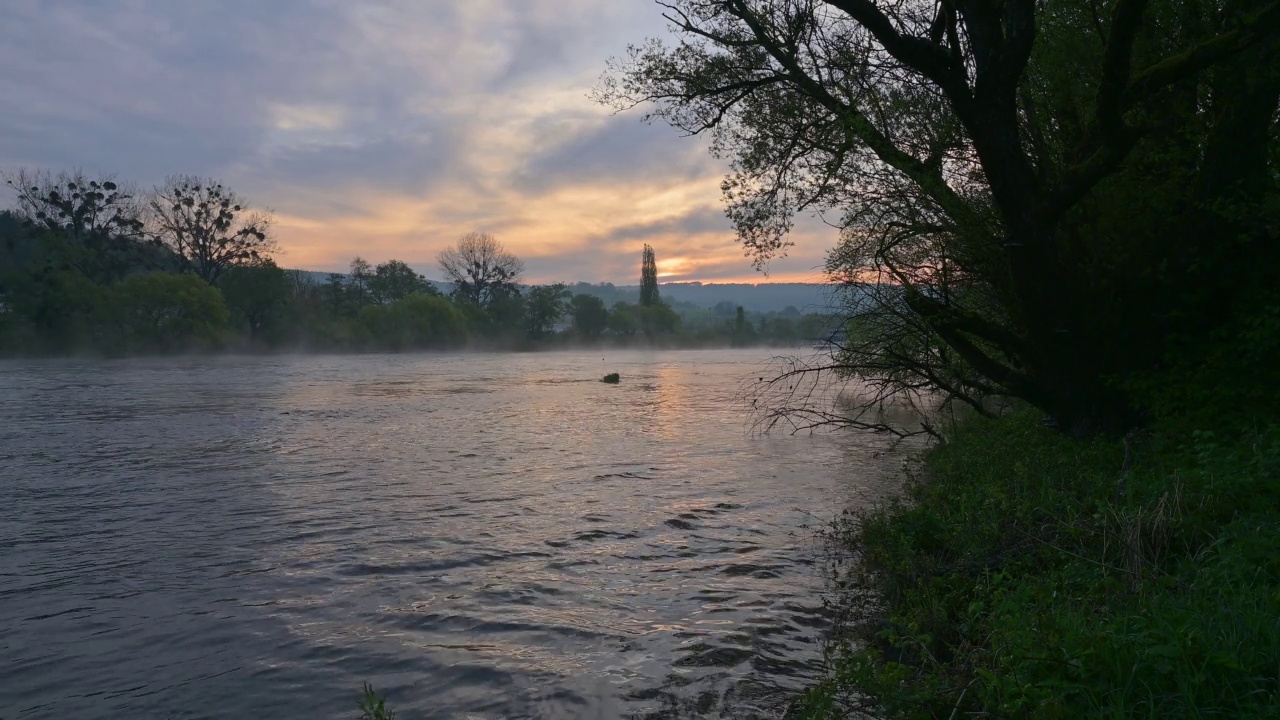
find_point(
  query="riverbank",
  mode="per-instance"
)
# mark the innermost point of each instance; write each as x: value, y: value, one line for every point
x: 229, y: 345
x: 1024, y: 574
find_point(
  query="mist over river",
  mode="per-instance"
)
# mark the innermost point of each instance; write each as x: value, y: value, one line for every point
x: 478, y: 535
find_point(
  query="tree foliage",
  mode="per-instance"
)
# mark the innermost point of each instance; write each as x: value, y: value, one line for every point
x: 414, y: 322
x: 256, y: 295
x: 624, y: 319
x: 482, y: 270
x: 164, y: 312
x: 1035, y: 199
x: 590, y: 316
x: 91, y: 225
x: 648, y: 278
x: 394, y: 280
x: 658, y: 319
x: 208, y: 226
x: 65, y: 288
x: 543, y: 308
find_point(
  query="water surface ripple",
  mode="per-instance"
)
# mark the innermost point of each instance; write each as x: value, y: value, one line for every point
x: 480, y: 536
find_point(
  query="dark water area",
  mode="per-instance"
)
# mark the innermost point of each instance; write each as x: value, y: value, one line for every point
x: 479, y: 536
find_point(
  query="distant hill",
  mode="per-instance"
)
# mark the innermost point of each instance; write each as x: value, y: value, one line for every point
x: 758, y: 297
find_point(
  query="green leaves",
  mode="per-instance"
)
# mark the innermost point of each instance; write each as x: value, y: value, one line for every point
x: 373, y: 706
x: 1005, y: 594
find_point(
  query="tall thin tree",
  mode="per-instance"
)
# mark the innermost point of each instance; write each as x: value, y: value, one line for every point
x: 649, y: 279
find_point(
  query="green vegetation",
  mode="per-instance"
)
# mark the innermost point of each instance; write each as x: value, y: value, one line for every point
x: 1026, y: 574
x: 612, y: 378
x: 1040, y: 199
x: 93, y: 266
x: 1071, y: 207
x: 649, y: 296
x: 374, y: 707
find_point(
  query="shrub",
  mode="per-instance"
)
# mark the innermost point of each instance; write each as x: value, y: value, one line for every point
x: 163, y: 312
x: 1024, y: 574
x: 414, y: 322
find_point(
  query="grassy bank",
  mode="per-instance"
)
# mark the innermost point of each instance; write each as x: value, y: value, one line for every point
x: 1024, y: 574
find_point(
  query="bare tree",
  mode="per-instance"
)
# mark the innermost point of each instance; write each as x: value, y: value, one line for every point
x: 209, y: 226
x: 90, y: 224
x: 75, y: 205
x: 481, y: 268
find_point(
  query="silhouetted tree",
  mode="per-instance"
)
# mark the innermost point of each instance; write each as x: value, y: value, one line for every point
x: 1059, y: 193
x: 543, y: 308
x: 93, y: 226
x: 590, y: 316
x: 394, y: 280
x: 359, y: 282
x: 208, y: 226
x: 256, y: 295
x: 482, y: 270
x: 648, y: 278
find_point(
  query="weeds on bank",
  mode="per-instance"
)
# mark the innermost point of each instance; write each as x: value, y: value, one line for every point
x: 1024, y: 574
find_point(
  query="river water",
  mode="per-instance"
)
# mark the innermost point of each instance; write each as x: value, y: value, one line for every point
x: 478, y: 535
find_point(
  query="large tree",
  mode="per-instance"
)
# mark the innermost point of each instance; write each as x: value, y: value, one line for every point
x: 209, y: 226
x: 482, y: 270
x: 90, y: 225
x: 394, y: 280
x: 543, y: 307
x: 590, y: 316
x: 1036, y: 198
x: 256, y: 295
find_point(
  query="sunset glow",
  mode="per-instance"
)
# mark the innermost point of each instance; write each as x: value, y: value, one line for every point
x: 386, y: 129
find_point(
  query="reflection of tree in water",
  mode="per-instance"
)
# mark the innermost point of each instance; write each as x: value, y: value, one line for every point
x: 826, y: 389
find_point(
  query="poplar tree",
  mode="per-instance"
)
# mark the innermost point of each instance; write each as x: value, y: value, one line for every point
x: 648, y: 279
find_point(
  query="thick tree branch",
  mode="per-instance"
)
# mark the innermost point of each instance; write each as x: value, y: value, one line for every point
x: 860, y: 126
x: 1117, y: 60
x: 1016, y: 383
x: 924, y: 56
x: 1113, y: 139
x: 1252, y: 30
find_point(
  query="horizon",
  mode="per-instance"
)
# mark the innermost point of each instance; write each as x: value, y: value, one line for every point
x: 386, y: 130
x: 571, y: 283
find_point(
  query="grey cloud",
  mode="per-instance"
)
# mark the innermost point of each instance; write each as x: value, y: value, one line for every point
x: 698, y: 223
x: 147, y: 88
x: 622, y: 149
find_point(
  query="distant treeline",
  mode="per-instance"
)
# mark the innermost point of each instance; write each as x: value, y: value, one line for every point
x: 92, y: 265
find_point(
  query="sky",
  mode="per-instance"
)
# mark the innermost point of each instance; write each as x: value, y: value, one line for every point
x: 383, y: 128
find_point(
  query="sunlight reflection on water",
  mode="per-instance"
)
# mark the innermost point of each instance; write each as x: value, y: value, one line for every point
x: 478, y: 535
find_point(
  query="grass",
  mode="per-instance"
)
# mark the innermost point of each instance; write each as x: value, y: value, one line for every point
x: 374, y: 707
x: 1024, y: 574
x: 611, y: 378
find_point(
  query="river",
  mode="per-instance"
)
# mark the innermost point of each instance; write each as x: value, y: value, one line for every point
x: 478, y: 535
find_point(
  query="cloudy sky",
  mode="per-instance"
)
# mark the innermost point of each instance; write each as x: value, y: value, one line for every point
x: 382, y: 128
